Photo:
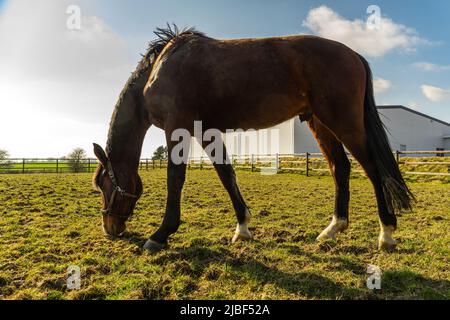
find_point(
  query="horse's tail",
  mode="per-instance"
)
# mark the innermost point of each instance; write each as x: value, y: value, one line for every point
x: 395, y: 190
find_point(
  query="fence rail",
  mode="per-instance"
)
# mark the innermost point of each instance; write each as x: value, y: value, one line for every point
x: 421, y: 163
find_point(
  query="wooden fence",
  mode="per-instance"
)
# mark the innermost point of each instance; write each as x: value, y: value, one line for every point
x: 431, y: 163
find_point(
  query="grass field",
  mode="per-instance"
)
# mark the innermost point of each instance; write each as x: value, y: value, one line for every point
x: 40, y: 166
x: 48, y: 222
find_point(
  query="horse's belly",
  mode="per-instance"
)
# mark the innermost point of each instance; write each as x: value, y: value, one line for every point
x: 258, y: 112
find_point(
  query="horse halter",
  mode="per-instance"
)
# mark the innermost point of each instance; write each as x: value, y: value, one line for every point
x: 117, y: 190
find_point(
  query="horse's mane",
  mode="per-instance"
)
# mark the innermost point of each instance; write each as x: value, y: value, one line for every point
x: 155, y: 47
x: 165, y: 35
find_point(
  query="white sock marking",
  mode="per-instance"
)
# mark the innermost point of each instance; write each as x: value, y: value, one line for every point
x: 336, y: 226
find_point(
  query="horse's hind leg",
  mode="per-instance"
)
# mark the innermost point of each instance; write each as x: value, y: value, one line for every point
x: 340, y: 169
x: 354, y: 137
x: 227, y: 175
x: 388, y: 220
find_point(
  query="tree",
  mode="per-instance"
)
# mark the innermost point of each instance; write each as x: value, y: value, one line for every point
x: 160, y: 153
x: 4, y: 163
x: 75, y: 159
x: 3, y: 155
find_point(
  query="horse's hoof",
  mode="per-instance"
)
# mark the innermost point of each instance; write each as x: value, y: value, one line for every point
x: 242, y: 232
x: 336, y: 226
x: 385, y: 241
x: 387, y: 245
x: 242, y: 236
x: 326, y: 236
x: 153, y: 246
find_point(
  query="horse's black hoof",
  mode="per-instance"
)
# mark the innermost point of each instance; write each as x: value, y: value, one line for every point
x: 153, y: 246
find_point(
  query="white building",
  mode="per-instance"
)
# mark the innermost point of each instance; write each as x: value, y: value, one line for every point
x: 409, y: 130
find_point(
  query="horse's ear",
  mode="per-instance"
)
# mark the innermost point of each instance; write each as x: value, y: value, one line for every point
x: 100, y: 154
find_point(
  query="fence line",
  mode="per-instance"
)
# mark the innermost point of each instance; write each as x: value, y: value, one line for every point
x: 306, y: 163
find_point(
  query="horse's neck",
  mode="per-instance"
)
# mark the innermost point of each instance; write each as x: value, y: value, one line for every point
x: 127, y: 130
x: 125, y: 145
x: 129, y: 122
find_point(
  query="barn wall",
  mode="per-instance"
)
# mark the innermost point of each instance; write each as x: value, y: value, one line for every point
x: 447, y: 143
x: 304, y: 140
x: 413, y: 131
x: 408, y: 131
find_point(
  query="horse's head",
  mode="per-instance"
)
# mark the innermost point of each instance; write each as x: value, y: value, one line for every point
x: 120, y: 191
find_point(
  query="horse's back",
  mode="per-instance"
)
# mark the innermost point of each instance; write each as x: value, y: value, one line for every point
x: 229, y: 83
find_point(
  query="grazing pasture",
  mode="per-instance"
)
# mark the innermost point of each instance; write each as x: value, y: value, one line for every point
x: 48, y: 222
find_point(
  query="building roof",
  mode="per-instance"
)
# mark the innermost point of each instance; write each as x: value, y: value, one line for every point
x: 413, y: 111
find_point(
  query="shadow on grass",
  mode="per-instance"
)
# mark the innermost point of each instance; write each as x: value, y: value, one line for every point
x: 405, y: 284
x: 199, y: 256
x: 310, y: 284
x: 135, y: 238
x: 395, y: 284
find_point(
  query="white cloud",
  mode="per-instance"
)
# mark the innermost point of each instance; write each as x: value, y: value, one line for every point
x: 413, y: 105
x: 431, y: 67
x: 373, y: 42
x: 436, y: 94
x: 381, y: 85
x: 74, y: 73
x: 36, y: 42
x: 59, y: 86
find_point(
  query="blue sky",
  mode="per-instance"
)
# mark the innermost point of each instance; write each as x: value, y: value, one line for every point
x: 409, y: 56
x: 256, y: 18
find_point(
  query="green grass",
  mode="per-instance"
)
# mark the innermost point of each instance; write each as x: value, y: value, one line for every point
x: 48, y: 222
x: 41, y: 167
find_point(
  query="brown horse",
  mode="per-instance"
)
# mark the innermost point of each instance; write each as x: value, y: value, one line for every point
x: 248, y: 84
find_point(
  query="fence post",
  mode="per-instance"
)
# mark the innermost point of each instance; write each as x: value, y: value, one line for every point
x: 23, y: 165
x: 160, y: 163
x: 146, y: 164
x: 253, y: 162
x: 397, y: 156
x: 277, y: 162
x: 201, y: 163
x: 307, y: 164
x: 89, y: 165
x: 57, y: 165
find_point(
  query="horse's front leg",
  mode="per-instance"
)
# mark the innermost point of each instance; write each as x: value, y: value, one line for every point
x: 176, y: 174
